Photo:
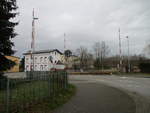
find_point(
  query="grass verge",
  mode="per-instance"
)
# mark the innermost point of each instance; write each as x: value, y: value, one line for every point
x: 49, y: 104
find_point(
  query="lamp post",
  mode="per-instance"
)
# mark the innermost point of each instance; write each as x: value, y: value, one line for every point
x: 128, y: 54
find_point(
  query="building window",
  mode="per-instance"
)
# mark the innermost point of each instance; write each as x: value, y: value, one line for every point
x: 45, y: 59
x: 45, y: 67
x: 41, y: 67
x: 27, y: 60
x: 31, y: 67
x: 41, y: 59
x: 27, y: 68
x: 35, y: 59
x: 35, y: 67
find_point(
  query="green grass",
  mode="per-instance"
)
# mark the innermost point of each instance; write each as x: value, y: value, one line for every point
x: 27, y: 94
x: 49, y: 104
x: 27, y: 91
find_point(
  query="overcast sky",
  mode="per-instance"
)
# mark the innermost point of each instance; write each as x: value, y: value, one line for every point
x: 84, y: 22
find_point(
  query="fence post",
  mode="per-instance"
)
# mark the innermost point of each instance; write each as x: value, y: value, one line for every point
x: 8, y: 96
x: 49, y: 83
x: 66, y: 79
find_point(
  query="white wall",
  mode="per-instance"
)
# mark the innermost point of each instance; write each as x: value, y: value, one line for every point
x: 41, y: 61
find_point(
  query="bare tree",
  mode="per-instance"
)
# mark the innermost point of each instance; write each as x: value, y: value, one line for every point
x: 97, y: 54
x: 104, y: 52
x: 82, y: 52
x: 97, y: 49
x: 90, y: 60
x: 101, y: 51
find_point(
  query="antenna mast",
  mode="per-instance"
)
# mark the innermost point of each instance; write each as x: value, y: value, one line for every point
x: 33, y: 40
x: 33, y: 32
x: 120, y: 52
x: 64, y: 42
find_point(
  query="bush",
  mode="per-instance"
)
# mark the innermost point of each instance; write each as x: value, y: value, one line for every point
x: 3, y: 81
x: 145, y: 67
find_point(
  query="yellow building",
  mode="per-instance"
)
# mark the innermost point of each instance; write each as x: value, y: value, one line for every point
x: 17, y: 61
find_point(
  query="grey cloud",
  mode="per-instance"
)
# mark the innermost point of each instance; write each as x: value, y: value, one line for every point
x: 84, y: 23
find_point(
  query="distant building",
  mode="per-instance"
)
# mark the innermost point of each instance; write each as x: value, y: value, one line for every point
x: 70, y: 61
x: 44, y: 60
x: 15, y: 59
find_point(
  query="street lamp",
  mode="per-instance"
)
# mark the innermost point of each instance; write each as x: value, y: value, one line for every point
x: 128, y: 54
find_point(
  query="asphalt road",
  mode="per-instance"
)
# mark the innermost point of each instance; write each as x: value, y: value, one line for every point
x: 137, y: 88
x: 97, y: 98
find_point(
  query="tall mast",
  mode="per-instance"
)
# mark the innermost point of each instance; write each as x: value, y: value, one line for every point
x: 33, y: 40
x: 33, y: 32
x: 120, y: 52
x: 64, y: 42
x: 128, y: 54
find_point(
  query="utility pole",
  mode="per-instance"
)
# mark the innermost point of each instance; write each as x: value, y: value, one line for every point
x: 64, y: 42
x: 120, y: 53
x: 33, y: 41
x: 65, y: 50
x: 128, y: 54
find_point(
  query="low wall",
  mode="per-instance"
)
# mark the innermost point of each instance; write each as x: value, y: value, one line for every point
x: 91, y: 73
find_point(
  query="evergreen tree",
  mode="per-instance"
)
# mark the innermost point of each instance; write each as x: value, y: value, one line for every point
x: 7, y: 13
x: 22, y: 64
x: 68, y: 53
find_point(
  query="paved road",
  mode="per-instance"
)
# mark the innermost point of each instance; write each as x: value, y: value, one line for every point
x: 138, y: 88
x: 97, y: 98
x: 132, y: 84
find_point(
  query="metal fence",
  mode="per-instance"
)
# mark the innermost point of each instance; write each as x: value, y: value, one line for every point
x: 16, y: 95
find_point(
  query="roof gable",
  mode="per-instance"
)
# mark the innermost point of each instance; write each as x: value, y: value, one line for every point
x: 42, y: 51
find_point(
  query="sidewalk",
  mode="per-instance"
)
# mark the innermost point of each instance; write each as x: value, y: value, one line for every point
x: 97, y: 98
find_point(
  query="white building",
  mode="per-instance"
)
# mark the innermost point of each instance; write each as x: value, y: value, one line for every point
x: 43, y: 60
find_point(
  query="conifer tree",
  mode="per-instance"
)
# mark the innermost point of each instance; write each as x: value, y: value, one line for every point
x: 7, y: 13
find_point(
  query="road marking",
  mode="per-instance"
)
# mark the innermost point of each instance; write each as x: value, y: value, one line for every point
x: 124, y: 77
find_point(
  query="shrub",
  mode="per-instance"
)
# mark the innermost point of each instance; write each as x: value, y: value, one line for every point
x: 145, y: 67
